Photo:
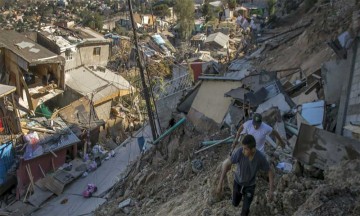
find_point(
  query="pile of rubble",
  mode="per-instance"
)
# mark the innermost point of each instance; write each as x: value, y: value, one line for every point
x: 317, y: 172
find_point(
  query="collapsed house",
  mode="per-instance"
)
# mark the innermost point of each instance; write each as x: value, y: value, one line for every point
x: 37, y: 73
x: 9, y: 132
x: 99, y: 84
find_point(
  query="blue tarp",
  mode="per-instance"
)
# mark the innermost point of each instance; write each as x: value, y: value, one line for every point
x: 6, y: 160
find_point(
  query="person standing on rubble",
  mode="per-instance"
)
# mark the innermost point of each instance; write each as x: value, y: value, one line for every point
x: 249, y: 161
x: 259, y: 130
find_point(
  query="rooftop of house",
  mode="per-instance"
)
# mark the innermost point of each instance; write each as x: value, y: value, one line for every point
x: 6, y: 90
x: 25, y: 48
x: 218, y: 38
x: 98, y: 80
x: 67, y: 38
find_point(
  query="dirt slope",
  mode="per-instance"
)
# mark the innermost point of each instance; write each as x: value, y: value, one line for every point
x: 170, y: 180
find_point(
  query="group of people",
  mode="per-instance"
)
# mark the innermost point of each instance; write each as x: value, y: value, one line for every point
x: 249, y: 158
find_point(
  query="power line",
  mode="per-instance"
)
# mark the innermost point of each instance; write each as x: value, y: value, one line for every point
x: 141, y: 67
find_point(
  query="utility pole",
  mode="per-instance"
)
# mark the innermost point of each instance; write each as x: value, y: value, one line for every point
x: 141, y: 67
x: 88, y: 142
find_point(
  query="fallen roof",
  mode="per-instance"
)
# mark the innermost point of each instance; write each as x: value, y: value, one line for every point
x: 27, y: 49
x: 78, y: 113
x: 50, y: 142
x: 265, y: 93
x: 6, y: 89
x: 86, y: 82
x: 238, y: 93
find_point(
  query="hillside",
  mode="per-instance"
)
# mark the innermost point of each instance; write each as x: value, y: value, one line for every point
x: 170, y: 179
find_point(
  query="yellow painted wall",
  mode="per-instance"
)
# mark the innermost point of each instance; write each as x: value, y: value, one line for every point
x: 210, y: 99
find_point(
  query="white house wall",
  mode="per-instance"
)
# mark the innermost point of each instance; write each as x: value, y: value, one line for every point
x: 85, y: 56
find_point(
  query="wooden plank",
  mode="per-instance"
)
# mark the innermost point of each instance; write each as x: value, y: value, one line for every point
x: 63, y: 176
x: 42, y: 171
x: 53, y: 164
x: 39, y: 129
x: 41, y: 184
x: 54, y: 185
x: 53, y: 153
x: 39, y: 196
x: 29, y: 99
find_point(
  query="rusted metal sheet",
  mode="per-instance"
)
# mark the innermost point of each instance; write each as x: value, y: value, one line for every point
x: 322, y: 149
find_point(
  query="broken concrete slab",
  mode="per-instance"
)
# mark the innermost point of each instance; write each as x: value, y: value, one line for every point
x: 314, y: 113
x: 333, y: 72
x: 278, y: 101
x: 322, y: 149
x: 234, y: 115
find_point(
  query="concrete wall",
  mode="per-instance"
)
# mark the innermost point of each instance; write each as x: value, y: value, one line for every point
x: 210, y: 99
x: 349, y: 106
x: 45, y: 42
x: 85, y: 56
x: 2, y: 62
x: 103, y: 110
x: 332, y: 72
x: 353, y: 109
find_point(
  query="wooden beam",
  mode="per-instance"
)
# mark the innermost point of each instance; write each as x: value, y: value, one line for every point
x: 53, y: 153
x: 42, y: 171
x: 39, y: 129
x: 30, y: 103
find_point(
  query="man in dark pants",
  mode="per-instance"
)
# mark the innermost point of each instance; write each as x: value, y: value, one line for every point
x: 249, y: 161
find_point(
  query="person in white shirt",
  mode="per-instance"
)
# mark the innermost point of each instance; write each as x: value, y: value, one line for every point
x: 257, y: 128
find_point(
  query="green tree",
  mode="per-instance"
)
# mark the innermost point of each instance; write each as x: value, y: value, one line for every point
x: 206, y: 11
x: 184, y: 10
x: 231, y: 4
x: 92, y: 20
x: 161, y: 10
x: 271, y: 7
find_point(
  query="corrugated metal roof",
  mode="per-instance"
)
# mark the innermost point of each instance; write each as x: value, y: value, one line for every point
x: 116, y: 79
x: 63, y: 138
x: 86, y: 81
x: 218, y: 38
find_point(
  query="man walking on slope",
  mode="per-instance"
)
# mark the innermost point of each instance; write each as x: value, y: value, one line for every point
x: 249, y: 161
x: 259, y: 130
